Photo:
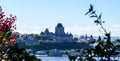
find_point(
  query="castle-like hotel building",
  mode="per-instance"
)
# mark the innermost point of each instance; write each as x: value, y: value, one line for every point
x: 59, y: 35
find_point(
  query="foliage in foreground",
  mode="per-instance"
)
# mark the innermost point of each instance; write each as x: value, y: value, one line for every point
x: 104, y: 49
x: 9, y: 50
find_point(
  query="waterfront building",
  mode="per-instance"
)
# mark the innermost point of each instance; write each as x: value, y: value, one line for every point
x: 59, y: 35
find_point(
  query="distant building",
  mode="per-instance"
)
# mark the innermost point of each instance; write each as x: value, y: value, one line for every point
x: 59, y: 35
x: 86, y: 38
x: 59, y: 30
x: 55, y: 52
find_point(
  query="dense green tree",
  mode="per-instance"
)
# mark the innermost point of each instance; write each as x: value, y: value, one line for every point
x: 75, y: 39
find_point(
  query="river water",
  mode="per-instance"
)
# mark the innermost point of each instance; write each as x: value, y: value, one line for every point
x: 64, y: 58
x: 54, y: 58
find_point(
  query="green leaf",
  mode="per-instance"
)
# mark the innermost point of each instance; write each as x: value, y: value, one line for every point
x: 8, y: 34
x: 93, y: 16
x: 99, y: 17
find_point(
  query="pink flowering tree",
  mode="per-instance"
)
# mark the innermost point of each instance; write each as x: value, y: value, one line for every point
x: 9, y: 51
x: 7, y: 26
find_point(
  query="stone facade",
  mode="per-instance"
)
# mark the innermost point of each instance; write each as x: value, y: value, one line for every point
x: 59, y: 35
x: 59, y: 30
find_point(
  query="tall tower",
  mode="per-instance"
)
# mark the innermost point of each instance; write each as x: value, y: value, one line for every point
x: 59, y: 30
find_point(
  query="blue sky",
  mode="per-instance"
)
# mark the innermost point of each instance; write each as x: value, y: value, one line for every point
x: 34, y: 16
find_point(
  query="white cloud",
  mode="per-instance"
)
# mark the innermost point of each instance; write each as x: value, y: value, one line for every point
x: 115, y: 30
x: 93, y: 30
x: 33, y: 29
x: 90, y: 30
x: 116, y: 26
x: 36, y: 29
x: 78, y: 30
